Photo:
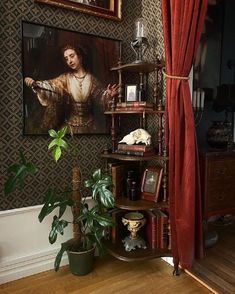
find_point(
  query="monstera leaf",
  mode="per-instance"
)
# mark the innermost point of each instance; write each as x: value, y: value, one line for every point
x: 17, y: 173
x: 99, y: 184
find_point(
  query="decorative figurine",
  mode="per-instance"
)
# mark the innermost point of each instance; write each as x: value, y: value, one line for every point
x: 134, y: 221
x: 136, y: 137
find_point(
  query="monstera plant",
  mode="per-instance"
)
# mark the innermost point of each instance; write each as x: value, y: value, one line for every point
x: 90, y: 224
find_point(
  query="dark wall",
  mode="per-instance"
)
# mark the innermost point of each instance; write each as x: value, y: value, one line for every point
x: 11, y: 91
x: 215, y: 62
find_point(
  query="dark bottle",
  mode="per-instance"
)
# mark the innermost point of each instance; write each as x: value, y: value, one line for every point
x: 133, y: 192
x: 129, y: 180
x: 141, y: 95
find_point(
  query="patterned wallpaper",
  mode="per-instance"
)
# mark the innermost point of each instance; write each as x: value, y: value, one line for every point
x: 11, y: 91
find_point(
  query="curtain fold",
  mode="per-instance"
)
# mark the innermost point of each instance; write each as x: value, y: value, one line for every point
x: 182, y: 27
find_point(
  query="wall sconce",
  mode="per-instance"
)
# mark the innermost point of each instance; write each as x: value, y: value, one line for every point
x: 140, y: 42
x: 198, y: 101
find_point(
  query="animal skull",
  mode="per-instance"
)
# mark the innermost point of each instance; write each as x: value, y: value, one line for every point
x: 136, y: 137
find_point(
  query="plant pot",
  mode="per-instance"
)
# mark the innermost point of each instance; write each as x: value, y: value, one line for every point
x: 81, y: 263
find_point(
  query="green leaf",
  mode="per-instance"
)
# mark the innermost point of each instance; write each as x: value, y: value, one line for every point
x: 53, y: 133
x: 57, y: 227
x: 52, y: 144
x: 48, y: 206
x: 64, y: 247
x: 89, y: 183
x: 97, y: 175
x: 17, y: 173
x: 57, y: 143
x: 106, y: 197
x: 31, y: 168
x: 62, y: 132
x: 57, y: 153
x: 10, y: 183
x: 105, y: 220
x: 64, y: 144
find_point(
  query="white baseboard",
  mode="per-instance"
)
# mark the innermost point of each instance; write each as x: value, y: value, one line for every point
x: 29, y: 265
x: 24, y: 246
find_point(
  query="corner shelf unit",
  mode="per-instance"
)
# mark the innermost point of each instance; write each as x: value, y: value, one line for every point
x: 143, y: 69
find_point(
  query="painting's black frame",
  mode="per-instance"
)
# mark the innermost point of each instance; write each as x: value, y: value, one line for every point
x: 114, y: 12
x: 58, y: 65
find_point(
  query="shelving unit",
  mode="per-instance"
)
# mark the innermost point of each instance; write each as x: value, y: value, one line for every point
x: 143, y: 70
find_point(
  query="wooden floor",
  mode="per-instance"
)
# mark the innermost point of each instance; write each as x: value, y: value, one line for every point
x: 109, y: 276
x: 217, y: 270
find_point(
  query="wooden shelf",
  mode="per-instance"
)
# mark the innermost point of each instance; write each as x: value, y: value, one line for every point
x: 133, y: 158
x: 137, y: 111
x: 141, y: 204
x: 118, y: 251
x: 143, y: 67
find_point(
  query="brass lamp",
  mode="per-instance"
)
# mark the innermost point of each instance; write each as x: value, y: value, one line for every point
x: 140, y: 42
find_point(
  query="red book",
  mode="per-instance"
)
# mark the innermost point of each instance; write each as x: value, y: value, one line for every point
x: 162, y: 224
x: 140, y: 108
x: 136, y: 153
x: 134, y: 147
x: 135, y: 104
x: 151, y: 229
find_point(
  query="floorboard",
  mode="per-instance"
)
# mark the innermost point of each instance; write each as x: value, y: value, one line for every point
x: 217, y: 269
x: 109, y: 276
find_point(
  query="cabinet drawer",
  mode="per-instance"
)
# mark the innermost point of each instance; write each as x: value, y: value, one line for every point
x: 221, y: 168
x: 220, y: 196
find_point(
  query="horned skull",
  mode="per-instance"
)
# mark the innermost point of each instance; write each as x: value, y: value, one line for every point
x: 136, y: 137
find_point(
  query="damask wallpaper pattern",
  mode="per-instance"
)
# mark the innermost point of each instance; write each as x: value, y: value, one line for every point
x: 11, y: 91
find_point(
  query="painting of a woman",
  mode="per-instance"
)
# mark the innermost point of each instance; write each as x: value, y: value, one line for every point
x: 75, y: 97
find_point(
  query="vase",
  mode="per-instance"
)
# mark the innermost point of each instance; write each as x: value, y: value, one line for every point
x: 218, y: 135
x: 134, y: 222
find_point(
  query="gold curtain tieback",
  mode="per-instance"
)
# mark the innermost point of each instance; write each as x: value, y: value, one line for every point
x: 173, y: 77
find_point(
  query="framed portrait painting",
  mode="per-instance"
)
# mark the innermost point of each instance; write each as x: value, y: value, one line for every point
x: 65, y: 77
x: 131, y: 92
x: 103, y: 8
x: 150, y: 183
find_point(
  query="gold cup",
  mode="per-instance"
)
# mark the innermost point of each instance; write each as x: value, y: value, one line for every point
x: 134, y: 221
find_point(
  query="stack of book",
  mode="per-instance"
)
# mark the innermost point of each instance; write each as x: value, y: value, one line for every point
x: 117, y: 173
x: 135, y: 105
x: 135, y: 150
x: 157, y: 229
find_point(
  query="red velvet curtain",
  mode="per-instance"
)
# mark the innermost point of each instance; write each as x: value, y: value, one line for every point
x: 182, y: 26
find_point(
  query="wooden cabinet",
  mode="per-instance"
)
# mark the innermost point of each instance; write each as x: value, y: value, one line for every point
x: 157, y: 111
x: 218, y: 183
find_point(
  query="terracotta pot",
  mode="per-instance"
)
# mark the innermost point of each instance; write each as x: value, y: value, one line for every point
x: 218, y: 134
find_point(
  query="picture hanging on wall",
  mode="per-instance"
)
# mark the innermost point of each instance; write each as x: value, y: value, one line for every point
x: 65, y: 76
x: 103, y: 8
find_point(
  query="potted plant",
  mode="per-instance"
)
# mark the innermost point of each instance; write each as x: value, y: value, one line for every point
x: 90, y: 224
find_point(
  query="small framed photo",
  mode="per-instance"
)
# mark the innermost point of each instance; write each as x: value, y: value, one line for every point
x: 151, y: 182
x: 131, y: 93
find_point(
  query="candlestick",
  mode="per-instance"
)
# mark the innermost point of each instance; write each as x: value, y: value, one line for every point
x: 120, y: 51
x: 194, y: 99
x: 202, y: 99
x: 198, y: 98
x: 140, y: 32
x: 198, y: 105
